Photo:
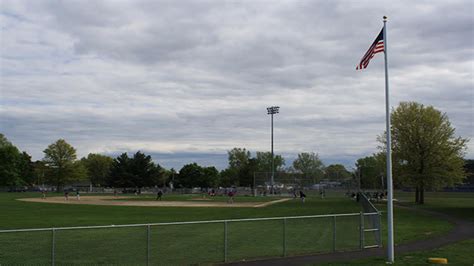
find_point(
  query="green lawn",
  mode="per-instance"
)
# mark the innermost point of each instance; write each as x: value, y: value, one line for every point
x: 184, y: 244
x: 410, y: 225
x: 459, y: 205
x: 18, y: 214
x: 457, y: 254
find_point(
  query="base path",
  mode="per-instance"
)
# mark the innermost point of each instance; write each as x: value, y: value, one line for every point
x: 463, y: 230
x: 122, y: 201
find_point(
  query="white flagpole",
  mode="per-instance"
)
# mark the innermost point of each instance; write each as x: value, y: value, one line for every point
x: 390, y: 245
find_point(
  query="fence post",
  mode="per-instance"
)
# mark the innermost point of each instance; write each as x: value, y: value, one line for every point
x: 53, y: 244
x: 380, y: 229
x: 284, y: 237
x: 334, y: 233
x: 361, y: 226
x: 225, y: 241
x: 148, y: 229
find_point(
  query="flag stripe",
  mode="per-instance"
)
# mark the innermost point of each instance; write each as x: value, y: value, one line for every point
x: 370, y: 54
x: 376, y: 47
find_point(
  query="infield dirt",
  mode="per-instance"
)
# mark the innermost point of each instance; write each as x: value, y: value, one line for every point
x: 121, y: 201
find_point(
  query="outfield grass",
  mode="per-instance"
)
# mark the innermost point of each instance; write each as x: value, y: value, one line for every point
x: 18, y: 214
x: 460, y: 205
x: 172, y: 244
x: 184, y: 244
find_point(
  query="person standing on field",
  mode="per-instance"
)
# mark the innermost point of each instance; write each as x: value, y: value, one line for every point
x: 78, y: 196
x: 231, y: 194
x: 302, y: 196
x: 159, y: 194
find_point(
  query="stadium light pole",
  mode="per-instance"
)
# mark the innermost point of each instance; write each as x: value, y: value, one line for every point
x: 271, y: 111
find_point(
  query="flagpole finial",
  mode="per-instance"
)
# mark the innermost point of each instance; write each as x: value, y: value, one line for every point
x: 384, y: 18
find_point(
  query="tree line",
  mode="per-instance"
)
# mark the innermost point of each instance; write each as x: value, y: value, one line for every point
x: 427, y: 155
x: 61, y: 167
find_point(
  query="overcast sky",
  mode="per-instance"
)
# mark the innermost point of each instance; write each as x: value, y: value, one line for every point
x: 188, y: 80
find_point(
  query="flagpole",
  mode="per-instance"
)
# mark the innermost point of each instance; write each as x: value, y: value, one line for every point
x: 390, y: 245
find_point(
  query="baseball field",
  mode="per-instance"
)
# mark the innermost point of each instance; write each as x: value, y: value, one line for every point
x: 189, y: 243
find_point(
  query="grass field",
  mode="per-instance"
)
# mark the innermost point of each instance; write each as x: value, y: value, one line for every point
x: 180, y: 244
x: 459, y: 205
x: 457, y: 254
x: 18, y: 214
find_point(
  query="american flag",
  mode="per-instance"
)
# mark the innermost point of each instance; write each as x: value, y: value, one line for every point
x: 376, y: 47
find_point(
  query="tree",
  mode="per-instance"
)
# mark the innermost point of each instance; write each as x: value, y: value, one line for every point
x: 469, y: 170
x: 98, y: 168
x: 40, y: 170
x: 426, y: 152
x: 26, y: 169
x: 120, y: 174
x: 210, y: 177
x: 169, y: 176
x: 189, y: 176
x: 10, y: 161
x: 165, y: 177
x: 264, y: 161
x: 138, y: 171
x: 194, y: 175
x: 309, y: 165
x: 371, y: 170
x: 61, y: 158
x: 242, y: 166
x: 238, y: 157
x: 337, y: 172
x: 246, y: 174
x: 145, y: 172
x: 238, y: 169
x: 229, y: 177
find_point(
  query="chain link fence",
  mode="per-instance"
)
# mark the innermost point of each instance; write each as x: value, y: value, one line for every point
x: 373, y: 232
x: 187, y: 242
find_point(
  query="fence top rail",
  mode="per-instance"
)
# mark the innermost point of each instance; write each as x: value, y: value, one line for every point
x: 185, y: 223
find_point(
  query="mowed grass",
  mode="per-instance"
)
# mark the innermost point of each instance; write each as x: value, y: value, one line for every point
x: 170, y: 244
x: 410, y: 225
x: 185, y: 244
x: 457, y: 254
x: 458, y: 205
x: 18, y: 214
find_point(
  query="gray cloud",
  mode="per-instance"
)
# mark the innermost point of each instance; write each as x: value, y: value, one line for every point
x: 179, y: 77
